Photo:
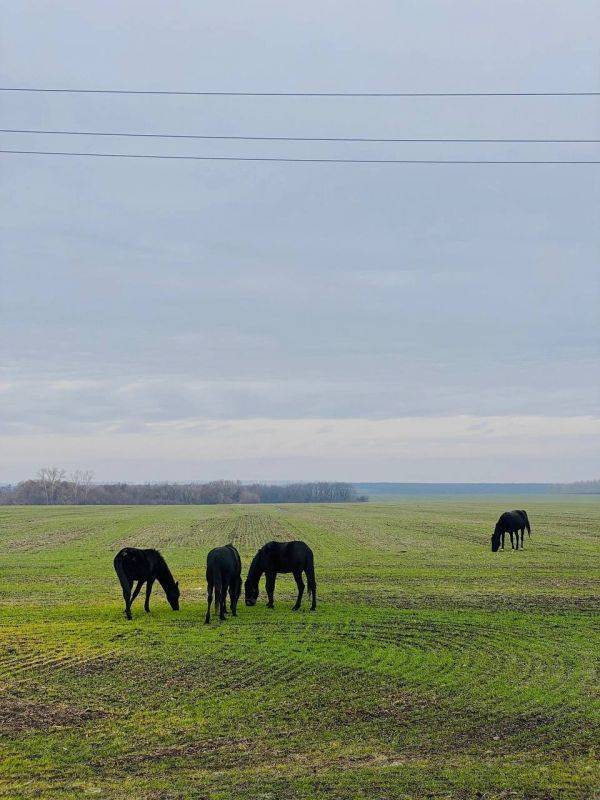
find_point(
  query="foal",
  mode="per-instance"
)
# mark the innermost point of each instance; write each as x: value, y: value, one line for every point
x: 223, y: 573
x: 144, y: 566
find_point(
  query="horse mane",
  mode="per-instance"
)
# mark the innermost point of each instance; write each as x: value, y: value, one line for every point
x: 255, y: 571
x: 163, y: 573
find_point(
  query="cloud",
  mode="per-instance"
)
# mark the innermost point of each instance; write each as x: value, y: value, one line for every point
x: 452, y: 448
x: 141, y: 294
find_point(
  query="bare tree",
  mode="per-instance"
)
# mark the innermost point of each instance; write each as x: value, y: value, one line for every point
x: 75, y: 483
x: 87, y: 479
x: 51, y: 479
x: 80, y: 483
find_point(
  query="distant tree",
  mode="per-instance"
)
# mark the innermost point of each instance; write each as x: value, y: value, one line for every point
x: 581, y: 487
x: 51, y: 479
x: 29, y: 493
x: 80, y: 484
x: 248, y: 496
x: 51, y: 488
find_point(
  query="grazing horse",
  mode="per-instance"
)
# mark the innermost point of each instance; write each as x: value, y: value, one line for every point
x: 512, y: 522
x: 223, y: 573
x: 274, y: 557
x: 144, y: 566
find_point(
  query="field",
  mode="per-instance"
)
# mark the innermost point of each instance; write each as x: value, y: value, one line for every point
x: 431, y: 668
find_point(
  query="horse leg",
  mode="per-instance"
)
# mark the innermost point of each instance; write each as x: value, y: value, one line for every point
x: 149, y: 586
x: 512, y: 540
x: 125, y: 585
x: 234, y: 593
x: 220, y: 595
x: 127, y: 598
x: 238, y: 591
x: 300, y: 585
x: 503, y: 535
x: 209, y: 597
x: 523, y: 538
x: 136, y: 591
x: 232, y: 597
x: 270, y: 587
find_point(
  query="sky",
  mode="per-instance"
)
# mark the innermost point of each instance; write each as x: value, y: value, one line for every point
x: 178, y: 320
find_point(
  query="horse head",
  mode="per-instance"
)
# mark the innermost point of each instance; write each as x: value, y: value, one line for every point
x: 173, y: 596
x: 496, y: 538
x: 250, y: 592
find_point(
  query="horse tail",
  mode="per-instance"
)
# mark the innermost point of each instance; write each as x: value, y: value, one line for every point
x: 527, y: 525
x: 218, y: 587
x: 121, y: 575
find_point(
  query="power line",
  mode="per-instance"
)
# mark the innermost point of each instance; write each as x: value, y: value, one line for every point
x: 289, y: 160
x: 129, y: 134
x: 295, y: 94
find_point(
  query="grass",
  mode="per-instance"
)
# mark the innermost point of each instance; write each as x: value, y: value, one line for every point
x: 432, y: 667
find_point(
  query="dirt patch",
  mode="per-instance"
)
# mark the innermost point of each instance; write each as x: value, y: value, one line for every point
x: 396, y: 707
x: 47, y: 540
x: 21, y: 716
x: 500, y: 734
x: 203, y: 747
x: 506, y: 736
x: 95, y: 666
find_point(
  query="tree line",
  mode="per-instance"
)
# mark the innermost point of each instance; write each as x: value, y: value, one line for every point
x: 52, y: 486
x: 581, y: 487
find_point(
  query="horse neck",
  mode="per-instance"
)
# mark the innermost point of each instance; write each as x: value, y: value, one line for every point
x: 164, y: 576
x: 256, y: 570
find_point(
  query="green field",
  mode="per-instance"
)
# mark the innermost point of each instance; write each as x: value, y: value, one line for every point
x: 432, y: 667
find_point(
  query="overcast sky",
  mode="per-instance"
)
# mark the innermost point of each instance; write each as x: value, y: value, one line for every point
x: 195, y: 320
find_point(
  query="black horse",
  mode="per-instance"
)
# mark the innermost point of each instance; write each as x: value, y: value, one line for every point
x: 144, y: 566
x: 512, y: 522
x: 274, y: 557
x: 223, y: 573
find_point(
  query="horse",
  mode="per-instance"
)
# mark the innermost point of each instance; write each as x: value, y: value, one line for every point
x: 223, y: 572
x: 273, y: 557
x: 144, y: 566
x: 512, y: 522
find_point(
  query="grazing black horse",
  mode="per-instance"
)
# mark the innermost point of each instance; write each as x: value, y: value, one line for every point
x: 223, y: 573
x: 274, y: 557
x: 144, y: 566
x: 512, y: 522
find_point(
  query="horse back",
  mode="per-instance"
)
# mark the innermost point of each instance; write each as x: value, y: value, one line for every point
x: 512, y: 521
x: 286, y: 556
x: 137, y: 564
x: 238, y: 560
x: 222, y: 564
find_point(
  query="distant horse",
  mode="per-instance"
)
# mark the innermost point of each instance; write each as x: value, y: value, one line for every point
x: 274, y: 557
x: 223, y: 572
x: 144, y: 566
x: 512, y: 522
